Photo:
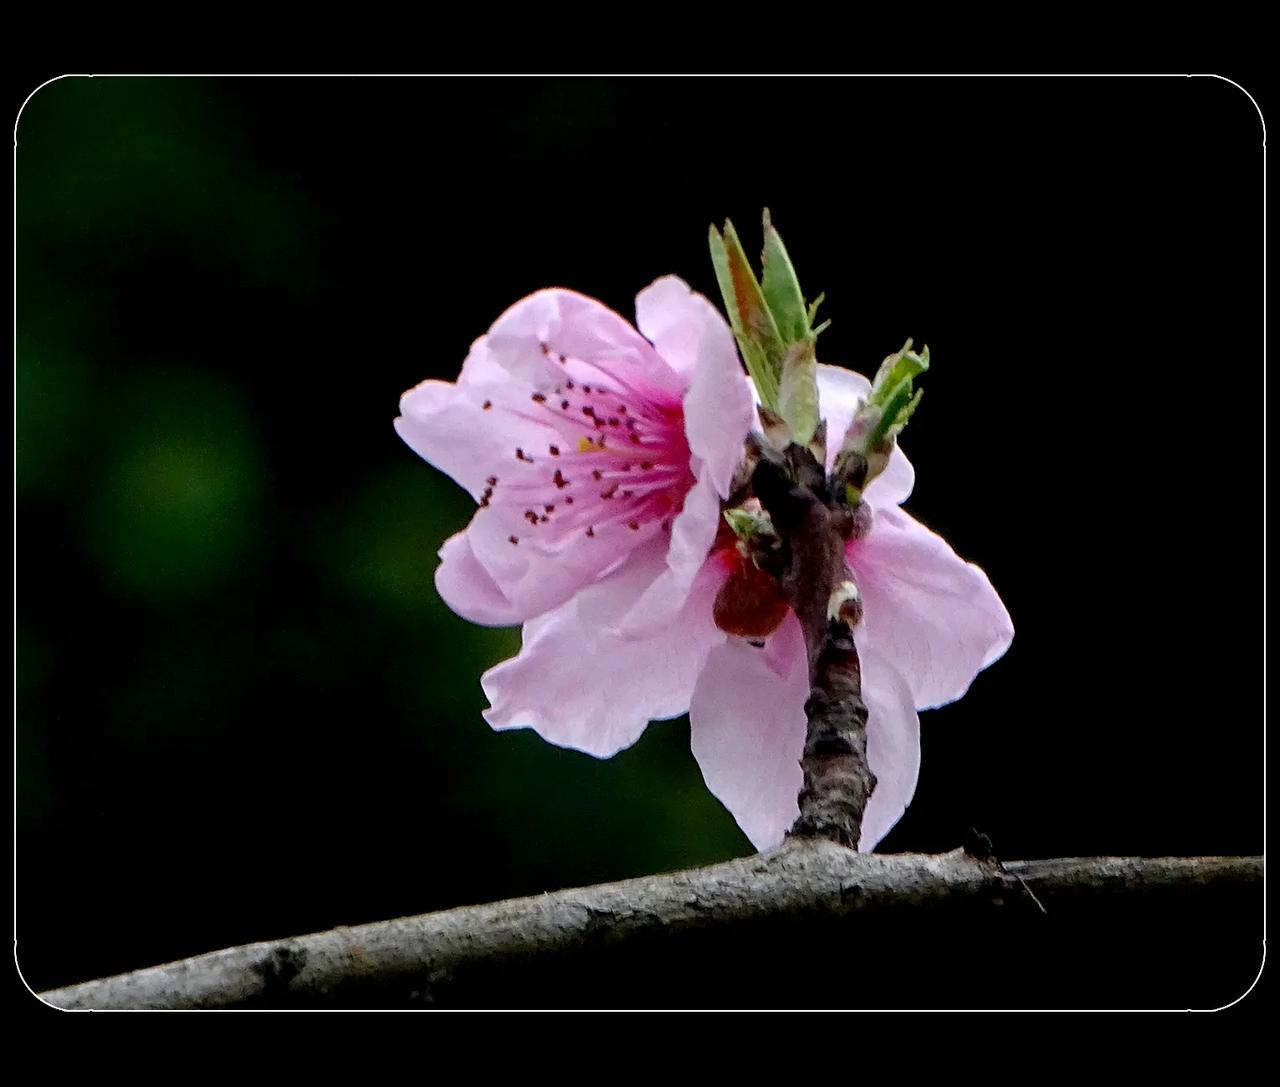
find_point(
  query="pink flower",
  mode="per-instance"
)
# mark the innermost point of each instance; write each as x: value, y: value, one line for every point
x: 591, y: 450
x: 562, y: 400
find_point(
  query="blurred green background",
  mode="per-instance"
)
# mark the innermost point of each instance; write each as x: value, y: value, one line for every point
x: 243, y: 711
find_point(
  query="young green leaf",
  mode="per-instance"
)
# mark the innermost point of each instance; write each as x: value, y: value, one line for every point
x: 781, y: 288
x: 749, y: 317
x: 798, y: 391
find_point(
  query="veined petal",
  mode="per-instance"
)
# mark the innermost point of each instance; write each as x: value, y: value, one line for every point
x: 747, y: 729
x: 580, y: 686
x: 893, y: 743
x: 692, y: 534
x: 535, y: 578
x: 457, y: 428
x: 689, y: 333
x: 840, y: 391
x: 466, y: 586
x: 935, y: 616
x: 555, y: 332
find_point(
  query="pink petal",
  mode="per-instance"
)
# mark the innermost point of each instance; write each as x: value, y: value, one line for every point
x: 747, y: 730
x: 893, y: 744
x: 536, y: 577
x: 692, y: 534
x: 580, y: 686
x: 448, y: 425
x: 531, y: 337
x: 840, y: 391
x: 933, y: 615
x: 692, y: 336
x: 466, y: 586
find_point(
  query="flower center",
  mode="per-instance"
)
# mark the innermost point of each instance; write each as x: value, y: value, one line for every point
x: 616, y: 462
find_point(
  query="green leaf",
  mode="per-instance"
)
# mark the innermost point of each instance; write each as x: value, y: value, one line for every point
x: 895, y: 416
x: 798, y: 391
x: 813, y: 309
x: 879, y: 420
x: 742, y: 522
x: 895, y: 372
x: 749, y: 317
x: 781, y: 288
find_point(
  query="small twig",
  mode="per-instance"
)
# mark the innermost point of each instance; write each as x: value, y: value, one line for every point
x: 980, y: 847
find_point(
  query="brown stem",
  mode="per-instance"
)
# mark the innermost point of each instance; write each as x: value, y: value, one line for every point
x: 837, y: 778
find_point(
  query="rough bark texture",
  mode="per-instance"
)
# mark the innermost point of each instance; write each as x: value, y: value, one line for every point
x: 813, y: 529
x: 819, y: 889
x: 837, y: 777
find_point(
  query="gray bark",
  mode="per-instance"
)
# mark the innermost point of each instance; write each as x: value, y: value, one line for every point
x: 415, y: 961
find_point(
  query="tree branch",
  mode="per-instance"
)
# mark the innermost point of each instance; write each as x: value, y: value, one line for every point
x: 431, y: 959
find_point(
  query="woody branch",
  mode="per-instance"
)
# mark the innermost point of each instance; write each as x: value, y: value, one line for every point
x: 485, y: 952
x: 813, y: 528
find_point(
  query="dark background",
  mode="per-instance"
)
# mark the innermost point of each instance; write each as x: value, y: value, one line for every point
x: 242, y: 710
